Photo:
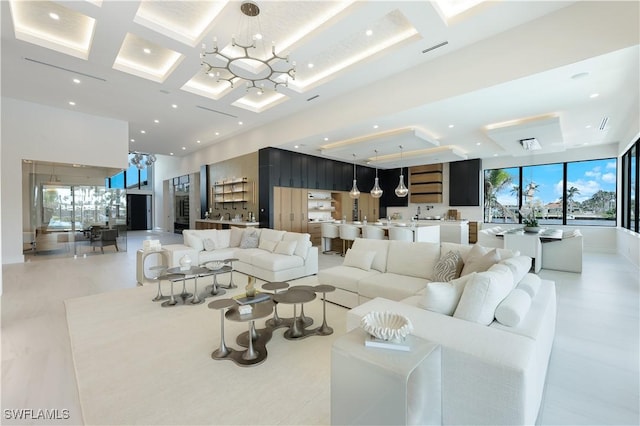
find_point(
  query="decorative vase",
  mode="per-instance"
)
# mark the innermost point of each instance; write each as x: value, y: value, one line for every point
x: 185, y: 263
x: 250, y: 289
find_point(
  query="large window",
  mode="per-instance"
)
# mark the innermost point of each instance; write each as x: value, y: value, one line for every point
x: 576, y: 193
x: 630, y: 188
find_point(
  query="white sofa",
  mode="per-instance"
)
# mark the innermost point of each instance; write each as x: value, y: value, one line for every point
x: 279, y: 255
x: 488, y: 237
x: 564, y: 254
x: 493, y: 371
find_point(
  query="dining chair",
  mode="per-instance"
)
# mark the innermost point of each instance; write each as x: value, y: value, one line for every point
x: 348, y: 233
x: 400, y: 234
x: 373, y: 232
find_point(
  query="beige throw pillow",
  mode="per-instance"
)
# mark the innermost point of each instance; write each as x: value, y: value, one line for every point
x: 448, y: 267
x: 479, y: 260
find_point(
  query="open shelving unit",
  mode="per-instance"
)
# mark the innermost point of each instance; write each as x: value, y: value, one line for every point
x: 230, y: 191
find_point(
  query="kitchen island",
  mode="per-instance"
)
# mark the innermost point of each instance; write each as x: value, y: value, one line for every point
x: 224, y: 224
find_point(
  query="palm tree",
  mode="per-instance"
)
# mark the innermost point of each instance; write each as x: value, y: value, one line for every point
x: 571, y: 192
x: 494, y: 181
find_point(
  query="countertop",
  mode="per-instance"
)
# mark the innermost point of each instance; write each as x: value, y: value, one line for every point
x: 229, y: 222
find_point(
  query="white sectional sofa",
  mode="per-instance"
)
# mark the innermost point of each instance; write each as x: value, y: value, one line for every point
x: 495, y: 327
x: 264, y: 253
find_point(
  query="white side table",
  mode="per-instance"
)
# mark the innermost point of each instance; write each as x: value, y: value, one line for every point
x: 141, y: 257
x: 385, y: 386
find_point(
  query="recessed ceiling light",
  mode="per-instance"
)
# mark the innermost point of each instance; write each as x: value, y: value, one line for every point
x: 478, y: 143
x: 369, y: 32
x: 240, y: 123
x: 495, y: 155
x: 326, y: 139
x: 197, y: 141
x: 76, y: 81
x: 171, y: 153
x: 310, y: 65
x: 147, y: 50
x: 588, y: 126
x: 72, y: 103
x: 451, y: 126
x: 184, y: 148
x: 174, y: 106
x: 375, y: 126
x: 132, y: 140
x: 594, y: 95
x: 217, y: 133
x: 296, y: 146
x: 156, y: 121
x: 143, y: 131
x: 54, y: 16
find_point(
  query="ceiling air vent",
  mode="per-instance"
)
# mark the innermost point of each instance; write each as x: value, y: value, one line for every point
x: 216, y: 111
x: 429, y: 49
x: 603, y: 123
x: 35, y: 61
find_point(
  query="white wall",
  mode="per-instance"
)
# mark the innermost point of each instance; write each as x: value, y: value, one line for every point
x: 42, y: 133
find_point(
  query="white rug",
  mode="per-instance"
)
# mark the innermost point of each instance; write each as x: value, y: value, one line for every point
x: 139, y: 363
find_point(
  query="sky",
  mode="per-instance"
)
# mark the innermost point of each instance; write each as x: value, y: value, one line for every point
x: 588, y: 176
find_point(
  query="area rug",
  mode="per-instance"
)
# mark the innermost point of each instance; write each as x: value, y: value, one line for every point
x: 139, y: 363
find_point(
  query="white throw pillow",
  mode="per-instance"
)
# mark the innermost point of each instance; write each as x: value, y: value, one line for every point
x: 271, y: 235
x: 519, y: 266
x: 479, y: 259
x: 209, y: 244
x: 249, y: 238
x: 530, y: 283
x: 361, y: 259
x: 513, y: 308
x: 482, y: 295
x: 267, y: 245
x: 443, y: 297
x: 236, y: 236
x: 286, y: 247
x: 448, y: 267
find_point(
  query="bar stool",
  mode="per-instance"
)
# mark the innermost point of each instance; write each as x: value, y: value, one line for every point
x: 373, y: 232
x: 348, y: 233
x: 400, y: 234
x: 329, y: 232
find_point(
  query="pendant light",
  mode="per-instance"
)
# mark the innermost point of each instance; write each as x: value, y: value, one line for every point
x: 401, y: 190
x: 354, y: 193
x: 376, y: 192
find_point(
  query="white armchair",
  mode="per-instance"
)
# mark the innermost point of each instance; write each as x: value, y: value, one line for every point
x: 564, y: 254
x: 488, y: 238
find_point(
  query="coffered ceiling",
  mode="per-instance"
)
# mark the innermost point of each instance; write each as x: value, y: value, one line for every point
x: 446, y: 80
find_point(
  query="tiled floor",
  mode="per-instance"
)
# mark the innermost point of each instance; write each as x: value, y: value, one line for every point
x: 593, y: 374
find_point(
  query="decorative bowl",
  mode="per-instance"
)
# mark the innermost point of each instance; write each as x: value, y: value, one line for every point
x: 386, y: 325
x: 532, y: 229
x: 214, y: 266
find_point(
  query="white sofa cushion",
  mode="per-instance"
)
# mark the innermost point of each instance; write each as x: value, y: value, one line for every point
x: 303, y: 243
x: 344, y: 277
x: 483, y: 293
x: 286, y: 247
x: 267, y: 245
x: 208, y: 244
x: 463, y: 249
x: 381, y: 247
x: 361, y: 259
x: 235, y: 236
x: 519, y: 266
x: 276, y: 262
x: 192, y: 240
x: 247, y: 255
x: 210, y: 256
x: 513, y: 308
x: 412, y: 259
x: 448, y: 266
x: 250, y: 238
x: 271, y: 235
x: 443, y: 297
x: 390, y: 286
x: 479, y: 259
x: 530, y: 283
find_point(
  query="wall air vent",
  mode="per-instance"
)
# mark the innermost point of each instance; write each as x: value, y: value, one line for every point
x: 429, y: 49
x: 216, y: 111
x: 603, y: 123
x: 35, y: 61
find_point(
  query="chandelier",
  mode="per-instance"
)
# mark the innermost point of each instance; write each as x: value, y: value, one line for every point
x: 141, y: 160
x: 232, y: 68
x: 354, y: 193
x: 401, y: 190
x: 376, y: 191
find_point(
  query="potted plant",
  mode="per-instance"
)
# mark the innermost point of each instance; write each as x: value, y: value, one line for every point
x: 530, y: 220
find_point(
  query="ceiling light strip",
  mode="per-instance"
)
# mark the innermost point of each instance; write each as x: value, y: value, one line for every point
x: 64, y: 69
